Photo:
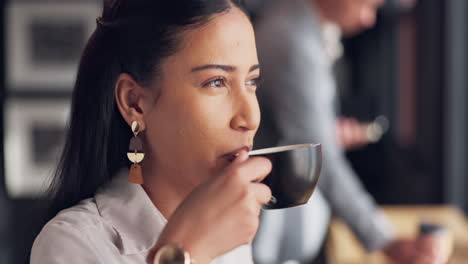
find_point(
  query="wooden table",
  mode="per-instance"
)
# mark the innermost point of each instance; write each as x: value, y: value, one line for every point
x: 343, y: 247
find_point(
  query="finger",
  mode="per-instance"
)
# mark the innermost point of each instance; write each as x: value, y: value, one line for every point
x: 346, y: 131
x: 256, y: 169
x: 353, y: 135
x: 361, y: 135
x: 356, y: 131
x: 241, y: 157
x: 428, y: 243
x: 261, y: 191
x: 426, y: 250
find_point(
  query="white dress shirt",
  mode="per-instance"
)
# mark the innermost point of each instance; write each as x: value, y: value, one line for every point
x: 119, y: 225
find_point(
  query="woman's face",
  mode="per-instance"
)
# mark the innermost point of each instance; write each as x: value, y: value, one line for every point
x: 207, y: 109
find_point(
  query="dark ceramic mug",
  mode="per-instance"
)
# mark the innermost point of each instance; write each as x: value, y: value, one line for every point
x: 294, y: 175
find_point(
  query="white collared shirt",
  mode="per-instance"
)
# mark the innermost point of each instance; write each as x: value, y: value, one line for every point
x: 119, y: 225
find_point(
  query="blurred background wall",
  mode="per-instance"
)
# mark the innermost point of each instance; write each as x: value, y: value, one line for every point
x: 41, y: 43
x: 411, y: 68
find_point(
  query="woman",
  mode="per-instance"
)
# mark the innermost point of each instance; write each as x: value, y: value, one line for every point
x: 179, y: 77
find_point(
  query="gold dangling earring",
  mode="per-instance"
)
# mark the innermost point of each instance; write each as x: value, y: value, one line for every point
x: 135, y: 155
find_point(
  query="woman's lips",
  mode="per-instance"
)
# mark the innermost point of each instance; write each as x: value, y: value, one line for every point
x: 231, y: 156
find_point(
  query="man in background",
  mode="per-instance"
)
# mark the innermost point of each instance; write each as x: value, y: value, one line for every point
x: 298, y: 42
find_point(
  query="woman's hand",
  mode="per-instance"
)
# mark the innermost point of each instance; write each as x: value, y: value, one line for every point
x: 222, y: 213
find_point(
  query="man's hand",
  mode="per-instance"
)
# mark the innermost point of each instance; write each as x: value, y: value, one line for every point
x: 426, y: 249
x: 351, y: 134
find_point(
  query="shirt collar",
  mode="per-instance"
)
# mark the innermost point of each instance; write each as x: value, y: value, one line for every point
x: 329, y: 32
x: 129, y: 210
x: 331, y: 35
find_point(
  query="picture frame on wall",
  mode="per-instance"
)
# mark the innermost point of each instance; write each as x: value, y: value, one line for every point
x: 35, y: 131
x: 44, y: 42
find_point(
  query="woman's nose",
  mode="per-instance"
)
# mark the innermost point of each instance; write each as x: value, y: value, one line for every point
x: 246, y: 113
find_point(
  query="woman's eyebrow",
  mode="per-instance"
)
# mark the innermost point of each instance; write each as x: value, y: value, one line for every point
x: 253, y: 68
x: 227, y: 68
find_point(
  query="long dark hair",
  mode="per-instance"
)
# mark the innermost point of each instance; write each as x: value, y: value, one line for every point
x: 132, y: 36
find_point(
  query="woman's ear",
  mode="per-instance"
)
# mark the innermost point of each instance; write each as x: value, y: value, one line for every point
x: 129, y: 97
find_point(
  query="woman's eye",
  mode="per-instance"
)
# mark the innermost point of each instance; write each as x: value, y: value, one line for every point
x: 217, y: 83
x: 254, y: 82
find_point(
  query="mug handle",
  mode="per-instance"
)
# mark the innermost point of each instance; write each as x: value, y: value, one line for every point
x: 272, y: 201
